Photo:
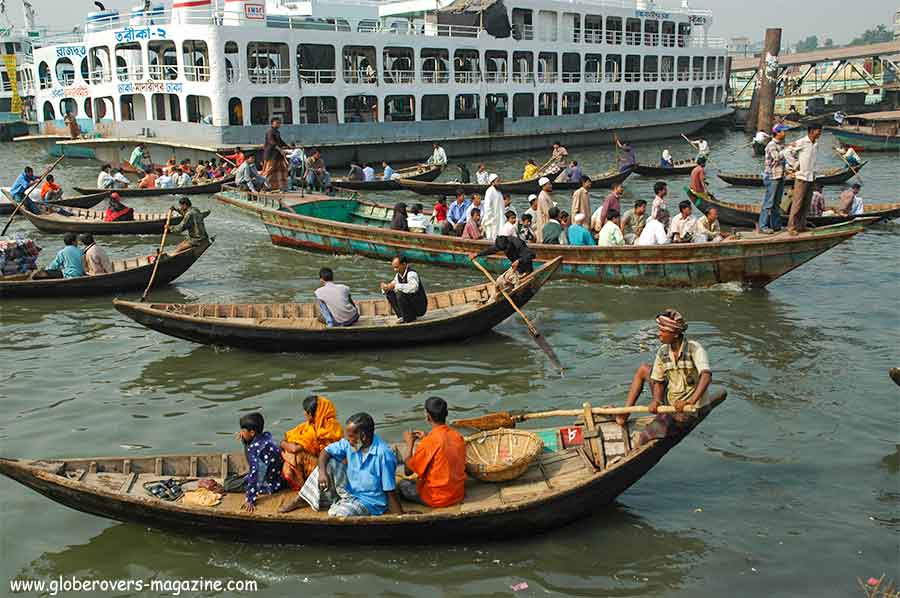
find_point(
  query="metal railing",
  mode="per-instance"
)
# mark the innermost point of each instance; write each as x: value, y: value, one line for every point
x: 495, y: 77
x: 196, y: 73
x: 522, y: 77
x: 100, y: 76
x: 614, y: 38
x: 399, y: 77
x: 593, y: 77
x: 317, y: 76
x: 360, y: 77
x: 467, y: 76
x: 166, y: 72
x: 632, y: 76
x: 633, y: 38
x: 269, y: 76
x: 669, y: 76
x: 697, y: 75
x: 523, y: 32
x: 593, y: 36
x: 651, y: 77
x: 651, y: 39
x: 668, y: 39
x: 66, y: 80
x: 430, y: 29
x: 435, y: 77
x: 571, y: 77
x: 684, y: 75
x: 547, y: 77
x: 130, y: 73
x: 612, y: 77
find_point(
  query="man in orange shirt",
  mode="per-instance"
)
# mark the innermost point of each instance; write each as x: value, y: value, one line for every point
x: 50, y: 191
x: 149, y: 180
x: 439, y: 461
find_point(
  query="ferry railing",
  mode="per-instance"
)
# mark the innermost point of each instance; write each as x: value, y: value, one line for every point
x: 399, y: 77
x: 593, y: 36
x: 684, y: 75
x: 651, y: 77
x: 612, y: 77
x: 66, y: 80
x: 573, y: 34
x: 360, y: 77
x: 130, y: 73
x: 100, y: 76
x: 197, y: 73
x: 165, y: 72
x: 431, y: 29
x: 633, y: 38
x: 668, y: 40
x: 670, y: 76
x: 614, y: 38
x: 632, y: 77
x: 593, y: 77
x: 651, y: 39
x: 571, y: 77
x: 495, y: 77
x: 317, y: 76
x: 467, y: 76
x: 547, y: 77
x: 523, y: 32
x: 698, y: 75
x: 270, y: 76
x: 523, y: 77
x: 709, y: 42
x: 435, y: 77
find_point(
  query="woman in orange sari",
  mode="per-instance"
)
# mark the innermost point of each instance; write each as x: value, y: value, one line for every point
x: 301, y: 446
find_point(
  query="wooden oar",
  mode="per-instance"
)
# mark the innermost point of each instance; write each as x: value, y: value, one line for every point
x: 159, y: 251
x: 506, y: 419
x: 226, y: 159
x: 28, y: 191
x: 535, y: 334
x: 850, y: 166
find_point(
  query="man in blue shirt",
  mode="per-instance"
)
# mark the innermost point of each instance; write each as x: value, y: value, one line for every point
x: 388, y: 171
x: 458, y: 213
x: 68, y: 263
x: 365, y: 485
x: 17, y: 191
x: 577, y: 234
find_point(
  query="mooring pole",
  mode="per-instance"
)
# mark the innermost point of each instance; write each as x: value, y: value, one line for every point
x: 763, y: 117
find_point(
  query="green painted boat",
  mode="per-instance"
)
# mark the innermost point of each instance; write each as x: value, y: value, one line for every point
x: 355, y: 227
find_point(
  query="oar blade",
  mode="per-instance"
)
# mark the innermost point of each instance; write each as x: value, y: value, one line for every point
x: 548, y: 350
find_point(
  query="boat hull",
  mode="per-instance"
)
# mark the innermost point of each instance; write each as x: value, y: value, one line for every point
x: 202, y: 189
x: 97, y: 226
x: 81, y: 201
x: 389, y: 185
x: 520, y: 187
x: 660, y: 173
x: 867, y: 142
x: 751, y: 180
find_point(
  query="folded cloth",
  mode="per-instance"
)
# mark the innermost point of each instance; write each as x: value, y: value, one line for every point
x: 201, y: 497
x: 211, y: 485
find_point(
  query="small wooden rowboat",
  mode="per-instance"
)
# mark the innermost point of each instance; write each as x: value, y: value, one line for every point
x: 413, y: 173
x: 747, y: 215
x: 8, y: 205
x: 835, y: 176
x: 85, y: 221
x: 213, y: 186
x: 127, y: 275
x: 681, y: 168
x: 518, y: 187
x: 355, y: 227
x: 292, y: 327
x: 562, y: 485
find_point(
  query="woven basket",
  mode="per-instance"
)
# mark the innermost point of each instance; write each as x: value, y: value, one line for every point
x: 501, y: 455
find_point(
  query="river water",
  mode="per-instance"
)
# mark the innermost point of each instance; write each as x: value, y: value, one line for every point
x: 789, y: 489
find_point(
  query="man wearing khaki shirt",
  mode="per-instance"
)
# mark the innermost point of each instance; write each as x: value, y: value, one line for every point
x: 801, y: 159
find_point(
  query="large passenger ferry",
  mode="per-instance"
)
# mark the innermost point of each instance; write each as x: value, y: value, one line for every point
x: 476, y: 75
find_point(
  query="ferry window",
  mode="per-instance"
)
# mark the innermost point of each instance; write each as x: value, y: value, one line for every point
x: 44, y: 76
x: 166, y: 106
x: 684, y: 68
x: 263, y: 110
x: 496, y: 106
x: 711, y: 67
x: 698, y: 68
x: 593, y: 102
x: 398, y: 65
x: 399, y: 108
x: 357, y: 109
x: 65, y: 71
x: 435, y: 65
x: 665, y: 98
x: 268, y: 63
x: 104, y: 109
x: 613, y: 101
x: 195, y: 57
x: 523, y: 104
x: 613, y: 68
x: 133, y: 107
x: 8, y: 47
x: 466, y: 106
x: 523, y: 71
x: 364, y: 26
x: 709, y: 96
x: 614, y: 30
x: 547, y: 25
x: 360, y: 65
x: 232, y: 62
x: 547, y: 68
x: 129, y: 66
x: 719, y: 94
x: 633, y: 32
x: 593, y: 68
x: 315, y: 63
x: 684, y: 32
x: 49, y: 112
x: 593, y: 29
x: 571, y: 67
x: 235, y: 112
x: 495, y: 66
x: 88, y: 108
x: 651, y: 68
x: 632, y: 68
x: 85, y: 70
x: 466, y: 66
x: 67, y: 105
x: 668, y: 34
x: 649, y: 100
x: 681, y: 98
x: 548, y: 104
x: 720, y: 71
x: 667, y: 69
x: 163, y: 60
x: 199, y: 109
x: 571, y: 28
x: 696, y: 96
x: 571, y: 102
x: 632, y: 101
x: 522, y: 26
x: 651, y: 32
x: 323, y: 109
x: 435, y: 107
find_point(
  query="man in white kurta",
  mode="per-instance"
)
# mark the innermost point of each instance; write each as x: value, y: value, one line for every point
x: 492, y: 213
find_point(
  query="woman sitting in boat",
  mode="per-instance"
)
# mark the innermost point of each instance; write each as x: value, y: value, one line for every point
x: 400, y: 219
x: 117, y: 211
x: 301, y: 445
x: 666, y: 161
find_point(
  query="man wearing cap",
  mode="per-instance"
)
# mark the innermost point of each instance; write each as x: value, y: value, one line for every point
x: 581, y: 199
x: 679, y: 376
x: 492, y: 213
x: 544, y: 203
x: 801, y: 159
x: 773, y: 179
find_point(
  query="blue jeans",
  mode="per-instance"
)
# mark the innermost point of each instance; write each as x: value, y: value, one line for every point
x: 26, y: 203
x: 770, y: 212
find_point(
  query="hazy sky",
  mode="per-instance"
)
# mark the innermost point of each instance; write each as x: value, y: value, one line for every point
x: 839, y: 19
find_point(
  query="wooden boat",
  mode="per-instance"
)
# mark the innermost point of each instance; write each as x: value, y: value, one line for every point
x: 835, y: 176
x: 413, y: 173
x: 518, y: 187
x: 85, y: 221
x: 8, y: 205
x: 873, y: 132
x: 127, y: 275
x: 355, y: 227
x: 213, y: 186
x: 562, y: 485
x: 747, y: 215
x: 681, y: 168
x: 292, y: 327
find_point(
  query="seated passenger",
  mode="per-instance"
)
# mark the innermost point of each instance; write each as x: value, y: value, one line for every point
x: 708, y: 229
x: 117, y: 211
x: 509, y: 228
x: 50, y: 190
x: 303, y: 444
x: 655, y: 229
x: 552, y: 229
x: 263, y: 459
x: 457, y: 213
x: 165, y: 180
x: 439, y: 461
x: 817, y: 203
x: 405, y: 292
x: 149, y: 180
x: 356, y: 476
x: 679, y: 377
x: 472, y: 229
x: 247, y: 177
x: 417, y: 222
x: 334, y: 305
x: 68, y: 263
x: 611, y: 233
x: 666, y: 160
x: 96, y: 260
x: 851, y: 157
x: 120, y: 181
x: 577, y: 234
x: 682, y: 226
x: 526, y: 232
x: 398, y: 222
x: 633, y: 221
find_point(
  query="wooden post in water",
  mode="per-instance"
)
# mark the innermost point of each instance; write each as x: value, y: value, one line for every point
x: 762, y: 119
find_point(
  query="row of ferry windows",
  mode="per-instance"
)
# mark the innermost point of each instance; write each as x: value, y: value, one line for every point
x: 546, y: 25
x: 397, y: 108
x: 270, y: 63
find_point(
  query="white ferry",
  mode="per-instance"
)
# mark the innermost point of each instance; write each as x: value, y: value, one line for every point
x: 479, y: 76
x: 15, y: 68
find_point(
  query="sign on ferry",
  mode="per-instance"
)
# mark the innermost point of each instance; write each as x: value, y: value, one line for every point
x: 129, y: 34
x: 255, y: 11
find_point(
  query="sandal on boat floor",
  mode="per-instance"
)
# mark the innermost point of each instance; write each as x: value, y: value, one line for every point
x: 168, y: 490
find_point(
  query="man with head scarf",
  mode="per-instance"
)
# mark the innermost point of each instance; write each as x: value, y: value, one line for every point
x: 666, y: 161
x: 679, y: 376
x: 544, y: 203
x: 492, y: 211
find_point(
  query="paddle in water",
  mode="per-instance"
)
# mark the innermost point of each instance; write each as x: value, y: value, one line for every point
x: 159, y: 253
